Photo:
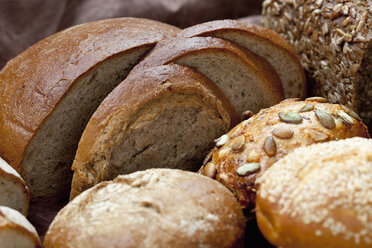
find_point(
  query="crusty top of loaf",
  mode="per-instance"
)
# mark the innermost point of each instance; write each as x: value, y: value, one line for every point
x: 36, y: 80
x: 322, y: 193
x: 152, y: 208
x: 138, y: 89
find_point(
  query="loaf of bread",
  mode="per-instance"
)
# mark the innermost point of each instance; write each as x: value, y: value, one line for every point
x: 263, y: 42
x: 334, y: 41
x: 16, y: 231
x: 152, y: 208
x: 13, y: 190
x: 165, y: 116
x: 243, y: 155
x: 319, y: 196
x: 248, y: 80
x: 49, y: 92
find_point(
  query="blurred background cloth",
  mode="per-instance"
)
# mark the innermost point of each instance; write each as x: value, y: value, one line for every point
x: 24, y: 22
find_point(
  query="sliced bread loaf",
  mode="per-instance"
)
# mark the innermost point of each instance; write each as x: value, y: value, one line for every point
x: 13, y: 190
x: 263, y: 42
x: 48, y: 93
x: 16, y: 231
x: 248, y: 80
x: 165, y: 116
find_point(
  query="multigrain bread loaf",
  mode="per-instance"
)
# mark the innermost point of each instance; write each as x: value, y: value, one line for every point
x: 263, y: 42
x: 319, y: 196
x: 165, y: 116
x: 16, y: 231
x: 48, y: 93
x: 13, y: 190
x: 334, y: 42
x: 248, y: 80
x: 248, y: 150
x: 152, y: 208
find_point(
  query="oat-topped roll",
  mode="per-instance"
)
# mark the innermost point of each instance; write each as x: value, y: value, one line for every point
x: 248, y: 150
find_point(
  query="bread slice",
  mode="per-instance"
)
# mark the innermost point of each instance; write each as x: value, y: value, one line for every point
x: 16, y: 230
x: 247, y: 80
x: 263, y: 42
x: 165, y: 116
x: 13, y: 190
x: 49, y: 92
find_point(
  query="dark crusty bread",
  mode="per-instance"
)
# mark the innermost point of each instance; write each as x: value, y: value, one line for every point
x: 152, y: 208
x: 248, y: 150
x: 165, y: 116
x: 16, y: 231
x: 248, y: 81
x: 13, y: 190
x: 263, y: 42
x: 48, y: 93
x: 334, y: 42
x: 319, y: 196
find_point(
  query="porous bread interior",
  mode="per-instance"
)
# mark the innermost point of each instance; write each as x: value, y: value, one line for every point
x: 241, y: 86
x: 46, y: 166
x: 289, y: 71
x: 176, y: 131
x: 10, y: 238
x: 12, y: 195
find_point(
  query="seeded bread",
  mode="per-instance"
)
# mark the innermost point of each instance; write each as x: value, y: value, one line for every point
x: 248, y: 80
x: 13, y: 190
x: 263, y: 42
x: 152, y: 208
x: 48, y: 93
x: 334, y: 41
x: 16, y: 231
x: 248, y: 150
x: 319, y: 196
x: 165, y: 116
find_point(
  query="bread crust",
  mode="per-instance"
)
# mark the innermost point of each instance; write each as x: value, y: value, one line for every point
x: 34, y: 82
x: 125, y: 101
x: 264, y: 143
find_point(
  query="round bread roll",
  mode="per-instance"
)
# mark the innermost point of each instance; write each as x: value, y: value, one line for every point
x: 152, y: 208
x: 249, y: 149
x: 13, y: 190
x: 319, y: 196
x: 16, y: 230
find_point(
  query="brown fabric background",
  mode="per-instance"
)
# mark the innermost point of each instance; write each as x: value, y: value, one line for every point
x: 24, y: 22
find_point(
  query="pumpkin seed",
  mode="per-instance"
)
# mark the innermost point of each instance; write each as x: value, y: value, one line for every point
x: 352, y: 113
x: 210, y: 170
x: 307, y: 107
x: 345, y: 117
x: 290, y: 117
x: 247, y: 168
x: 270, y: 146
x: 283, y: 132
x: 317, y: 99
x: 222, y: 140
x: 238, y: 143
x: 318, y: 136
x: 325, y: 119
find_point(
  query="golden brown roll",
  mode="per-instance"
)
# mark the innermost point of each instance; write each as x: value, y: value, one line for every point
x: 319, y: 196
x: 249, y: 149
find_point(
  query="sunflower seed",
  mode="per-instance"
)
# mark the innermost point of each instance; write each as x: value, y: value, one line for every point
x: 222, y: 140
x: 325, y: 119
x: 247, y: 114
x: 283, y: 132
x: 223, y: 152
x: 317, y: 99
x: 290, y: 117
x: 270, y: 146
x: 248, y: 168
x: 307, y: 107
x: 318, y: 136
x: 210, y: 170
x: 209, y: 156
x: 345, y: 117
x: 238, y: 143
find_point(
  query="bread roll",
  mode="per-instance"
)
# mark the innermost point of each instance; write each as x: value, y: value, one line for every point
x: 334, y: 42
x: 248, y: 80
x: 13, y: 190
x: 49, y: 92
x: 319, y: 196
x: 152, y: 208
x: 16, y: 231
x: 165, y: 116
x: 263, y: 42
x: 248, y: 150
